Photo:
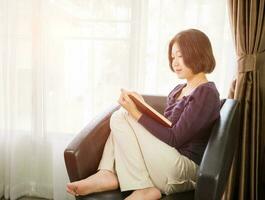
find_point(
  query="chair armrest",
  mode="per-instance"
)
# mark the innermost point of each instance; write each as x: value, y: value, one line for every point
x: 83, y: 154
x: 217, y: 159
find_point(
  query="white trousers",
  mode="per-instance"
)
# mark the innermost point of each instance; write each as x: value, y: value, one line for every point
x: 140, y: 160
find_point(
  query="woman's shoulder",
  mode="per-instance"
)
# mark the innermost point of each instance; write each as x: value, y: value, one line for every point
x: 206, y: 92
x: 208, y: 87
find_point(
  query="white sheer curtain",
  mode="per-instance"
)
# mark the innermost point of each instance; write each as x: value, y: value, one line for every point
x: 64, y: 61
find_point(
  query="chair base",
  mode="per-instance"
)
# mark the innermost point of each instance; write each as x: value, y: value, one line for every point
x: 118, y: 195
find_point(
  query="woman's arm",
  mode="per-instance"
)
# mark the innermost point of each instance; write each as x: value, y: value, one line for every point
x: 200, y: 112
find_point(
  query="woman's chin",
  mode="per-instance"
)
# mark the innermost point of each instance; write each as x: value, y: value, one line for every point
x: 180, y: 76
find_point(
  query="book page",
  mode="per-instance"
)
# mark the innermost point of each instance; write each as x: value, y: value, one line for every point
x: 148, y: 110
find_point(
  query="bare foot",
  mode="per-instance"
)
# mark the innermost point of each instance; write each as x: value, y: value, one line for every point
x: 151, y: 193
x: 103, y: 180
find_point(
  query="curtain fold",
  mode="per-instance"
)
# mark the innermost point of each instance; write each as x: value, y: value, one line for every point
x: 248, y: 29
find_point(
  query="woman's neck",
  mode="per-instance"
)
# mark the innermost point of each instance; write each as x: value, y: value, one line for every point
x: 196, y: 80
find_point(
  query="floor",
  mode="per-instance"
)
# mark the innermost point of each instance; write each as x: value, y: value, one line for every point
x: 28, y: 198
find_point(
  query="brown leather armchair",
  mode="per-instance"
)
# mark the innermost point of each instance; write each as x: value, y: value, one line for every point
x: 83, y: 154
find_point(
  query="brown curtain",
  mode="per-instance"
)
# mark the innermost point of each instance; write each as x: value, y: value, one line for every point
x: 247, y: 19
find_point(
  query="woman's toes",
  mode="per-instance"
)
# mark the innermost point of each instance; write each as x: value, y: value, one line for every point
x: 71, y: 188
x: 70, y: 191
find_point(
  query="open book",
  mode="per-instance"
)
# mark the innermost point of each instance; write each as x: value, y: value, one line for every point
x: 148, y: 110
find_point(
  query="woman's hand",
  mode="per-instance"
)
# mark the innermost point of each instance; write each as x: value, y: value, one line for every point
x: 129, y: 105
x: 138, y: 95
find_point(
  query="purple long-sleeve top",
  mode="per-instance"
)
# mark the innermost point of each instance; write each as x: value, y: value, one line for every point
x: 192, y: 117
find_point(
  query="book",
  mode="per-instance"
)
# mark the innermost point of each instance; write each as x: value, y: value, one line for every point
x: 143, y: 107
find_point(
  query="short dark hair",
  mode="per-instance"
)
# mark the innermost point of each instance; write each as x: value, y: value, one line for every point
x: 196, y: 51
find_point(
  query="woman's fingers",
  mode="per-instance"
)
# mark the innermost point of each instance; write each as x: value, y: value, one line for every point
x: 138, y: 95
x: 122, y: 99
x: 124, y: 95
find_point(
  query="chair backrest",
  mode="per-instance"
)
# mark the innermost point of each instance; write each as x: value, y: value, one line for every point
x: 218, y: 156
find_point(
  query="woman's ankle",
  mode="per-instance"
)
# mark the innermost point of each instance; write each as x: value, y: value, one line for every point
x: 107, y: 179
x: 103, y: 180
x: 107, y: 171
x: 153, y: 193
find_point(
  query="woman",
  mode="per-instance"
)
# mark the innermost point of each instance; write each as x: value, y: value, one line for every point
x: 148, y: 158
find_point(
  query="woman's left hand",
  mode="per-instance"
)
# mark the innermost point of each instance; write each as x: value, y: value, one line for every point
x: 129, y: 105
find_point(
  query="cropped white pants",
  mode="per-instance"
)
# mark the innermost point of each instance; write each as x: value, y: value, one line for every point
x: 141, y: 160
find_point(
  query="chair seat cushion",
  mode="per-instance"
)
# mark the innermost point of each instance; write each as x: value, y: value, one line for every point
x: 189, y: 195
x: 109, y: 195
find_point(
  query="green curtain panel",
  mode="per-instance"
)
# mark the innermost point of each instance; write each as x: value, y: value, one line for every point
x: 247, y: 19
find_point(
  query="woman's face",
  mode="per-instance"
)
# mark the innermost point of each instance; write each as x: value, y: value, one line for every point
x: 182, y: 71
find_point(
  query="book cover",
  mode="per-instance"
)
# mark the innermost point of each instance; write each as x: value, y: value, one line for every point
x: 148, y: 110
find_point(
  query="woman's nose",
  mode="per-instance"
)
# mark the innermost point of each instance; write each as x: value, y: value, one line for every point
x: 175, y: 62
